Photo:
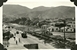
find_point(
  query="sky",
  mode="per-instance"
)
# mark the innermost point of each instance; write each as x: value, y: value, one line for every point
x: 35, y: 3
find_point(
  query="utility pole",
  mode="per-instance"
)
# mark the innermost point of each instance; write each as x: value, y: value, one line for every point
x: 64, y: 33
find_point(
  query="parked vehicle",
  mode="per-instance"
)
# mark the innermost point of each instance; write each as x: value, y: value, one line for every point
x: 24, y: 35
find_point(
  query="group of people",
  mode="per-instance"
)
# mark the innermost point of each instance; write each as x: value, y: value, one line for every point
x: 7, y: 35
x: 16, y: 37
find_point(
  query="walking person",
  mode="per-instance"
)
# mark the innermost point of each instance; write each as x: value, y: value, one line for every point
x: 14, y: 36
x: 17, y: 37
x: 13, y: 32
x: 16, y: 40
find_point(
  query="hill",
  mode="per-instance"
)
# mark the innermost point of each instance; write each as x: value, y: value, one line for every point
x: 12, y: 12
x: 40, y: 8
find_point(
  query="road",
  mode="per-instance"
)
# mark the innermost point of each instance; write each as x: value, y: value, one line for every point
x: 30, y: 40
x: 34, y: 40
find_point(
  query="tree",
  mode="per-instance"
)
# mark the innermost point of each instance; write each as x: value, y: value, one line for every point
x: 44, y: 22
x: 60, y: 25
x: 35, y: 21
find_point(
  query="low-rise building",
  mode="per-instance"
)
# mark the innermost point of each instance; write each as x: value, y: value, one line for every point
x: 71, y: 25
x: 52, y: 24
x: 53, y: 29
x: 68, y: 30
x: 44, y: 27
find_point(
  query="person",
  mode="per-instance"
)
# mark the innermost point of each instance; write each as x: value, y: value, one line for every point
x: 17, y: 37
x: 6, y: 38
x: 16, y: 40
x: 14, y: 35
x: 13, y: 32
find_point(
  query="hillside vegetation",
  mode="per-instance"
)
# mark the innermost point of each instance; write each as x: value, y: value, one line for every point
x: 13, y: 12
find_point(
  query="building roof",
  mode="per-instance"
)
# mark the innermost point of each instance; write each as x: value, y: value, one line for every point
x: 65, y: 27
x: 52, y: 27
x: 37, y: 30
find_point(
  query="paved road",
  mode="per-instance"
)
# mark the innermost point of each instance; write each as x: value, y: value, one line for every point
x: 13, y: 45
x: 30, y: 40
x: 41, y: 45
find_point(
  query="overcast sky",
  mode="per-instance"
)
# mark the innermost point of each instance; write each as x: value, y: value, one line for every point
x: 35, y: 3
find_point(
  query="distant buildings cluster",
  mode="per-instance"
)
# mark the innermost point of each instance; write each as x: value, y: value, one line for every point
x: 70, y: 25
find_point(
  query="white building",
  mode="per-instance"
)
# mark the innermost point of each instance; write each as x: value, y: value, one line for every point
x: 44, y: 26
x: 52, y: 28
x: 68, y: 29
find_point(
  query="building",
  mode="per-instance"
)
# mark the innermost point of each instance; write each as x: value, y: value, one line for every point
x: 53, y: 29
x: 44, y: 27
x: 71, y: 25
x: 52, y: 24
x: 68, y: 30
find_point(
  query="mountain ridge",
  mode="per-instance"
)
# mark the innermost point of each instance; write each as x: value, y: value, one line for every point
x: 16, y: 11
